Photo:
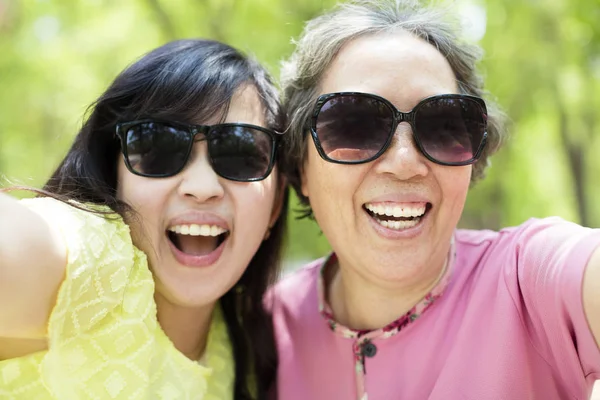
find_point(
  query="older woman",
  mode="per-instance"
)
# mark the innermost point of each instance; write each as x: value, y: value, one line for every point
x: 388, y: 132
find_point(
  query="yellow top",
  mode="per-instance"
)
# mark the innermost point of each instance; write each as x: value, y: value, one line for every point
x: 104, y: 341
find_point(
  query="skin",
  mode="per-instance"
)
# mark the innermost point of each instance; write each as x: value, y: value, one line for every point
x: 380, y: 275
x: 185, y: 295
x: 26, y: 299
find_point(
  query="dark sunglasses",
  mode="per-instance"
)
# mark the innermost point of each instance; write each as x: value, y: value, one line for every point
x: 354, y: 128
x: 159, y: 149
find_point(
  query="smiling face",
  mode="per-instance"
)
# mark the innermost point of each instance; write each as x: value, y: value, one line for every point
x: 389, y: 220
x: 199, y: 230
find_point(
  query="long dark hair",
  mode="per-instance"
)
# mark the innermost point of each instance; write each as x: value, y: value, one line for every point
x: 187, y: 81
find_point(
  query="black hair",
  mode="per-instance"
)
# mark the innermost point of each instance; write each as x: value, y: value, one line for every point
x: 186, y: 81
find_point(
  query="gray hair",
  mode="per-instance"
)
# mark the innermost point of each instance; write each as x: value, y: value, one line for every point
x: 324, y: 36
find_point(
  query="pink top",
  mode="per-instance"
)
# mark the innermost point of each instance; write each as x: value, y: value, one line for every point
x: 506, y: 321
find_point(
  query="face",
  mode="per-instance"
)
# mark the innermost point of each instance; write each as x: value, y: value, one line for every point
x: 199, y: 230
x: 350, y: 201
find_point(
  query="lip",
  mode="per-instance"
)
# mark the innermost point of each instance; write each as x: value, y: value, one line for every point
x: 394, y: 234
x: 197, y: 261
x: 198, y: 218
x: 399, y: 199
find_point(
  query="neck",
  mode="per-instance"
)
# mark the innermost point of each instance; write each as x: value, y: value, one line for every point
x: 187, y: 327
x: 362, y: 303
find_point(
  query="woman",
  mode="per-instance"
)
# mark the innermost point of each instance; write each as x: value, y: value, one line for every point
x: 388, y: 131
x: 141, y: 274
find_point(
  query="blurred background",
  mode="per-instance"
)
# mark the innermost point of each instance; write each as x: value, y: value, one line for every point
x: 542, y: 63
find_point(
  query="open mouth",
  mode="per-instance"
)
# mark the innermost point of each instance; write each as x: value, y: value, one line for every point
x: 197, y: 240
x: 398, y: 217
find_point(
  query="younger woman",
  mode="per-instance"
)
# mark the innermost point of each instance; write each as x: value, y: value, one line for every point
x: 140, y: 274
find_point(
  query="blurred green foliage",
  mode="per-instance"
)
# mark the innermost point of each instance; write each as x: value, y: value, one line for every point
x: 542, y: 63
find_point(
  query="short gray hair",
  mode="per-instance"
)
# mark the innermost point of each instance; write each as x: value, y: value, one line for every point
x: 324, y: 36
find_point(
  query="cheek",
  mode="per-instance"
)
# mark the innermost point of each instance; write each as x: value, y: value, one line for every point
x: 133, y: 190
x: 317, y: 177
x: 455, y: 183
x: 255, y: 201
x: 253, y: 207
x: 331, y: 188
x: 145, y: 223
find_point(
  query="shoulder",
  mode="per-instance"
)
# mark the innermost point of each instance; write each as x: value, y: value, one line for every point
x: 534, y: 234
x: 89, y: 230
x: 294, y: 303
x: 522, y: 255
x: 296, y: 283
x: 219, y: 358
x: 540, y: 262
x: 296, y: 289
x: 101, y: 263
x: 74, y: 217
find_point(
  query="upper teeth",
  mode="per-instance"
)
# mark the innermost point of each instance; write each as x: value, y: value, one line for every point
x: 198, y: 230
x: 397, y: 211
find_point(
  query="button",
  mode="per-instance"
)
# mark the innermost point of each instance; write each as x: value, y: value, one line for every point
x: 369, y: 349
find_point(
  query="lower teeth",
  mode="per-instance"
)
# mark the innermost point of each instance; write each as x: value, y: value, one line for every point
x: 399, y: 225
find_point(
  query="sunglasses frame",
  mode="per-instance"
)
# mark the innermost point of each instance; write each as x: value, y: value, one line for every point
x: 398, y: 117
x: 194, y: 130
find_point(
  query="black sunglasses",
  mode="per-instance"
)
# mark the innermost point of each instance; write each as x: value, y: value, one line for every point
x: 159, y: 149
x: 355, y: 128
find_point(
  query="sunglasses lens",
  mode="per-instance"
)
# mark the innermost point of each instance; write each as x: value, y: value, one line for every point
x: 156, y: 148
x: 240, y: 152
x: 450, y: 129
x: 352, y: 127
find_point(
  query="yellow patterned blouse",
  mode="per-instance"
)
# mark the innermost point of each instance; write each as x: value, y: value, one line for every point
x: 104, y: 341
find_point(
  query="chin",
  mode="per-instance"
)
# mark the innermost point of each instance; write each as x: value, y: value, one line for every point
x: 189, y: 294
x: 399, y: 271
x: 193, y: 287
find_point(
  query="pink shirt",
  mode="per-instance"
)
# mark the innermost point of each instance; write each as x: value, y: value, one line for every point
x: 509, y: 324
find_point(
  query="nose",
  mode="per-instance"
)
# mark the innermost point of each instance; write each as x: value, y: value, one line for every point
x: 198, y: 180
x: 402, y: 158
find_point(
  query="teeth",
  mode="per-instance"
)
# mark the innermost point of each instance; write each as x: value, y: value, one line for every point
x: 205, y: 230
x: 399, y: 225
x: 195, y: 230
x: 397, y: 211
x: 198, y: 230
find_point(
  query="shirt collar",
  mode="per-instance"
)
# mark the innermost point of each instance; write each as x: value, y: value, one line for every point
x: 394, y: 327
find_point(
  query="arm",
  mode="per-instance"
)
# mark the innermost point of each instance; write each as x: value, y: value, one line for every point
x: 591, y: 294
x: 552, y: 260
x: 33, y: 258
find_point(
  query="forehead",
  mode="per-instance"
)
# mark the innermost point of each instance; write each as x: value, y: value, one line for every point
x: 397, y: 66
x: 246, y: 106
